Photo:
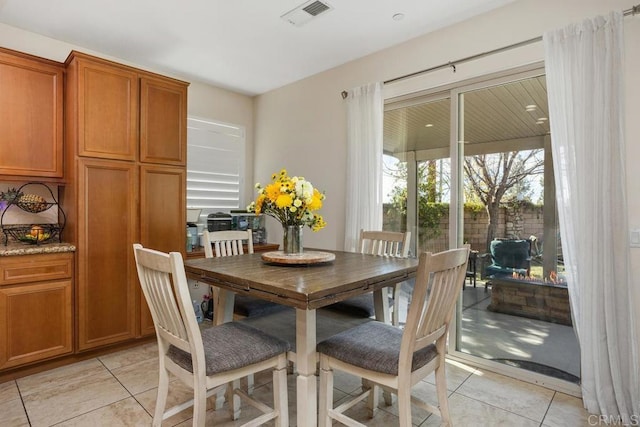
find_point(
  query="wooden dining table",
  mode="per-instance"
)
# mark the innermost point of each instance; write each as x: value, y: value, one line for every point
x: 306, y: 287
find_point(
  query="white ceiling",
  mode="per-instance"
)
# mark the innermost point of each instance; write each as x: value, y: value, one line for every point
x: 242, y: 45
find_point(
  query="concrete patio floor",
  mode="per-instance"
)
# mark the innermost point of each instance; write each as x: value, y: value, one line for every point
x: 544, y: 347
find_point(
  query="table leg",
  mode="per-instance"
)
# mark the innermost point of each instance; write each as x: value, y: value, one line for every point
x: 306, y: 365
x: 381, y: 306
x: 223, y: 313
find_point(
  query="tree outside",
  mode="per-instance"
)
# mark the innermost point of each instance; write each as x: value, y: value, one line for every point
x: 491, y: 181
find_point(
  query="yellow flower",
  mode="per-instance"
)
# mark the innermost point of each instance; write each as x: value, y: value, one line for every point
x: 272, y: 191
x: 259, y: 203
x: 316, y: 201
x: 284, y: 201
x: 290, y: 200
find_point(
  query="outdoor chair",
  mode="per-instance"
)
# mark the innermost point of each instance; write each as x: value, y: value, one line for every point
x: 210, y: 360
x: 393, y: 359
x: 380, y: 243
x: 509, y: 256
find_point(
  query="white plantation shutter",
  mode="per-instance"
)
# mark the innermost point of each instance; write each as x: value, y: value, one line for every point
x: 215, y: 164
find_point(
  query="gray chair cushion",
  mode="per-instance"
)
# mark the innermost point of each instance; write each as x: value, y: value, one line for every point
x: 374, y: 346
x: 247, y: 306
x: 360, y: 306
x: 231, y: 346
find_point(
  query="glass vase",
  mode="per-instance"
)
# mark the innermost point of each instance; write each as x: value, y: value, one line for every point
x: 292, y: 239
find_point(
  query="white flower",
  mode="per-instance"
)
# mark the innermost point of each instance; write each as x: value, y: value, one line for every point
x: 304, y: 189
x: 297, y: 203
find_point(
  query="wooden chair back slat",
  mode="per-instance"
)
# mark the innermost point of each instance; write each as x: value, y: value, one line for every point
x: 226, y: 243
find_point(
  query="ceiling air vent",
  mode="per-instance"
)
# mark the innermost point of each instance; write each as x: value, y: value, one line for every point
x: 306, y: 12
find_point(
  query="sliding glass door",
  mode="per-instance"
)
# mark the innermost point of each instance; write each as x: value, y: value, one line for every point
x: 473, y: 165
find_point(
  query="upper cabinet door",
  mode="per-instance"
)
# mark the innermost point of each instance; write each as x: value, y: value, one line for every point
x: 107, y: 103
x: 163, y: 121
x: 31, y: 121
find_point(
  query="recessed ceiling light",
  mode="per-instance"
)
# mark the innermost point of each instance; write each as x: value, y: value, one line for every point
x: 428, y: 125
x: 542, y: 119
x: 531, y: 107
x: 540, y: 122
x: 398, y: 17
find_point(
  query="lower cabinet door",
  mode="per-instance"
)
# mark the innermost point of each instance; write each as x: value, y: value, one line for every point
x: 107, y: 229
x: 36, y: 322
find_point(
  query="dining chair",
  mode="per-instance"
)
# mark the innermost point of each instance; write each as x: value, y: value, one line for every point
x: 380, y: 243
x: 394, y: 359
x: 230, y: 243
x: 209, y: 360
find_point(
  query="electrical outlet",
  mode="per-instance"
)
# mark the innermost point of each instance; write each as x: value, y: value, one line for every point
x: 634, y: 238
x: 196, y: 285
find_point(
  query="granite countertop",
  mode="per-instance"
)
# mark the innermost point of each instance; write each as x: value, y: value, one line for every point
x: 13, y: 249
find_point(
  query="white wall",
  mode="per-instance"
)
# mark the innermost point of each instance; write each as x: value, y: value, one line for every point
x: 302, y: 126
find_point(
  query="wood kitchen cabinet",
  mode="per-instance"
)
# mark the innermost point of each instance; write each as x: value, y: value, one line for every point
x: 36, y: 308
x: 126, y: 168
x: 31, y: 107
x: 105, y: 108
x: 163, y: 124
x: 159, y: 215
x: 107, y: 227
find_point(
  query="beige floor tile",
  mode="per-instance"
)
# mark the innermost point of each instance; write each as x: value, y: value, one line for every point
x: 470, y: 412
x: 423, y: 391
x: 12, y: 414
x: 346, y: 382
x: 566, y: 411
x: 70, y: 396
x: 527, y: 400
x: 138, y: 377
x: 456, y: 374
x: 360, y: 413
x: 9, y: 391
x: 53, y: 378
x: 130, y: 356
x: 178, y: 393
x: 124, y: 413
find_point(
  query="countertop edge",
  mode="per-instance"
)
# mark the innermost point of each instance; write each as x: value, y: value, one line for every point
x: 22, y: 249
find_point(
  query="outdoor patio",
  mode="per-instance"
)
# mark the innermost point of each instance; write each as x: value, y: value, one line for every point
x: 544, y: 347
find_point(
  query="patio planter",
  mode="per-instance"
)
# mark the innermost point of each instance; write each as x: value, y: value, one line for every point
x: 536, y: 300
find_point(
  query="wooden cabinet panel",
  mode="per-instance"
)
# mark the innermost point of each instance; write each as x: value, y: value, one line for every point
x: 107, y: 212
x: 162, y: 206
x: 31, y: 107
x: 162, y: 213
x: 37, y: 322
x: 163, y: 121
x: 21, y: 269
x: 107, y: 109
x: 36, y: 310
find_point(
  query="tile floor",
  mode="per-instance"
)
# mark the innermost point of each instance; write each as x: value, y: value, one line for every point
x: 119, y: 389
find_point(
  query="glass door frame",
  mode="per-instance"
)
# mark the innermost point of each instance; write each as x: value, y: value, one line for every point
x: 456, y: 230
x: 456, y: 203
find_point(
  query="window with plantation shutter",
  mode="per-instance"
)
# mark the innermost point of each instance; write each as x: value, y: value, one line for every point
x: 215, y: 165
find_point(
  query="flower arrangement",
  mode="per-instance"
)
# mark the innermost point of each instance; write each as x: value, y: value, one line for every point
x: 291, y: 200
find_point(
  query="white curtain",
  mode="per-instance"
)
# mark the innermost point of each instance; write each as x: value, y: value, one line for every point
x: 365, y: 111
x: 585, y: 80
